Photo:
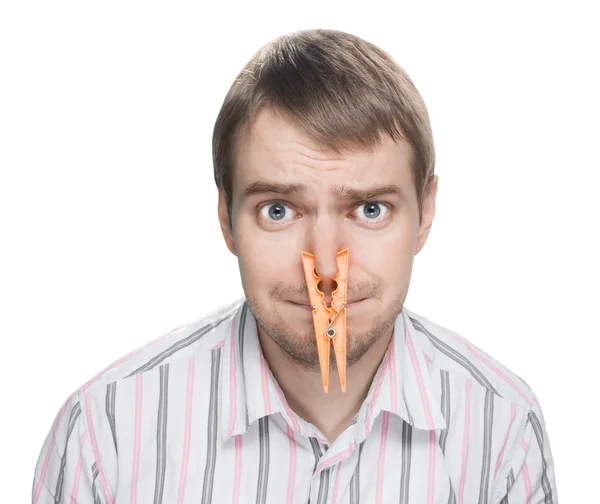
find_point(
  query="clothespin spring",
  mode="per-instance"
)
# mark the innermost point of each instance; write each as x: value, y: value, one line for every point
x: 330, y: 331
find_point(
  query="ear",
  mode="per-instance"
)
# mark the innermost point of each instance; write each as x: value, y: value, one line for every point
x: 428, y: 213
x: 224, y: 222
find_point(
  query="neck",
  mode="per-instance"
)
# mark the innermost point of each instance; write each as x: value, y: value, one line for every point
x: 331, y: 413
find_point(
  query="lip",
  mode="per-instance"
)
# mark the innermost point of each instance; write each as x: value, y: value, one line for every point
x: 307, y: 306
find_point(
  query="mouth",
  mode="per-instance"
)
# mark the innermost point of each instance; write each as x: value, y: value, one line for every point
x: 308, y: 306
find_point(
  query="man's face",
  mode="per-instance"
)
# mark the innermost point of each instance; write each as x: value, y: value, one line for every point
x: 291, y: 195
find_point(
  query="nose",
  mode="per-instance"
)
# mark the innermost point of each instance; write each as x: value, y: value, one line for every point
x: 324, y: 246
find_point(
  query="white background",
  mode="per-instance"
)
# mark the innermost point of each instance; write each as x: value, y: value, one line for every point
x: 108, y: 205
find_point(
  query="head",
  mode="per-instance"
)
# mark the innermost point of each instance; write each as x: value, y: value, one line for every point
x: 324, y: 143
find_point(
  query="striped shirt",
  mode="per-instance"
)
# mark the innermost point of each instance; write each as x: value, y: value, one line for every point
x: 197, y: 417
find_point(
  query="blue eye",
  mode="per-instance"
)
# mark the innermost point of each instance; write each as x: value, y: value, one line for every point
x: 275, y: 212
x: 372, y: 210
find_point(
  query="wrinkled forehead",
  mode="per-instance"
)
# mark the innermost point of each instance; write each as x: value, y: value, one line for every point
x: 275, y: 148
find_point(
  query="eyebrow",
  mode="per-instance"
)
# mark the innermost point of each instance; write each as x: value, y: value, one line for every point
x: 263, y: 187
x: 369, y: 193
x: 344, y: 192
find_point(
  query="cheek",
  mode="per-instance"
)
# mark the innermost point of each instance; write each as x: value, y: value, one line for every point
x: 263, y: 261
x: 393, y: 266
x: 399, y: 256
x: 387, y: 260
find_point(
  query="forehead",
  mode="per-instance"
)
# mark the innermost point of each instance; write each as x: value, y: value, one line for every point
x: 276, y: 148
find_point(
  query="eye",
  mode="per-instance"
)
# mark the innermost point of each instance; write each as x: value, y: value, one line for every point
x: 372, y: 211
x: 276, y: 212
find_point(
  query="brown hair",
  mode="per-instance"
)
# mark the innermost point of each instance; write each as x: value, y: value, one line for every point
x: 343, y: 91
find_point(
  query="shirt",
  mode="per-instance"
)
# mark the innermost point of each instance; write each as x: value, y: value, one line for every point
x: 197, y: 417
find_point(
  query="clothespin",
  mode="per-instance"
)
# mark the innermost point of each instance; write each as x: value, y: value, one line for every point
x: 329, y: 323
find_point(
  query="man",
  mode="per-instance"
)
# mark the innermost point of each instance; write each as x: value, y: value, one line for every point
x: 322, y: 144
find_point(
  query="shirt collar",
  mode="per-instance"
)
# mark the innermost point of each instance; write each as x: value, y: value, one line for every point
x: 247, y: 388
x: 402, y: 384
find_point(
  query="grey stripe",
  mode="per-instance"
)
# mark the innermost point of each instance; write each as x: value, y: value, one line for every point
x: 455, y: 356
x: 355, y: 481
x: 161, y: 434
x: 111, y: 394
x: 316, y: 448
x: 324, y: 475
x: 181, y: 344
x: 487, y: 447
x: 539, y: 435
x: 74, y: 415
x: 445, y: 407
x: 411, y: 420
x: 241, y: 331
x: 324, y: 485
x: 94, y: 483
x: 452, y: 496
x: 510, y: 479
x: 406, y: 460
x: 211, y: 452
x: 446, y: 411
x: 263, y: 462
x: 317, y: 453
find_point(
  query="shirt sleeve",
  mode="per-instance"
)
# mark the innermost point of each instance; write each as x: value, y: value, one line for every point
x: 530, y: 478
x: 66, y: 471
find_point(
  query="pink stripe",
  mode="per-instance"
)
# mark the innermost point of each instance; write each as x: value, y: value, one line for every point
x: 336, y: 486
x: 417, y: 370
x: 381, y: 459
x: 432, y: 467
x: 78, y: 470
x: 376, y: 393
x: 137, y: 438
x: 427, y: 358
x: 286, y: 407
x: 187, y: 431
x: 334, y: 460
x: 42, y: 477
x: 123, y: 359
x: 220, y: 344
x: 466, y: 438
x: 292, y: 469
x: 527, y: 483
x: 92, y: 434
x: 513, y: 415
x: 505, y: 378
x: 264, y: 382
x: 237, y: 475
x: 232, y: 380
x: 393, y: 377
x: 106, y: 369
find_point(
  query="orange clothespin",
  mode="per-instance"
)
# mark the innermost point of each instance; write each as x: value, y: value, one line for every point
x: 329, y: 323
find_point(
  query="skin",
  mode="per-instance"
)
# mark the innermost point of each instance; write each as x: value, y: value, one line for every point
x: 270, y: 229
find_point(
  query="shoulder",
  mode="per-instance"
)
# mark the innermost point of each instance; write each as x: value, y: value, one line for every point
x: 195, y: 338
x: 451, y: 352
